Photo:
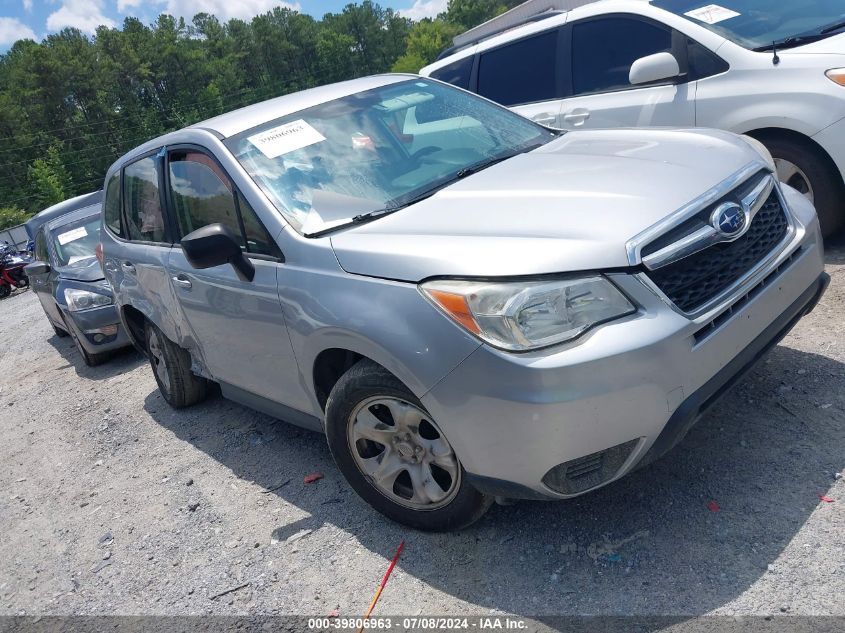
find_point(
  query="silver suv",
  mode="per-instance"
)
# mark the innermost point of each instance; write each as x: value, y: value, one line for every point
x: 467, y: 304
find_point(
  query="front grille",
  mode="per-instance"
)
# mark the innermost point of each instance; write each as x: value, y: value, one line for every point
x: 693, y: 281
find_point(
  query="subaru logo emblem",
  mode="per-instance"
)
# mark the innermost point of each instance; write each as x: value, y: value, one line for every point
x: 729, y: 219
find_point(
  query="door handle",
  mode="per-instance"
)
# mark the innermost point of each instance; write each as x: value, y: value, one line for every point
x: 128, y: 267
x: 577, y: 117
x: 545, y: 119
x: 182, y: 281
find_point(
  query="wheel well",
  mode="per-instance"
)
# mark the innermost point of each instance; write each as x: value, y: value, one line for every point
x: 329, y: 366
x: 775, y: 133
x: 135, y: 322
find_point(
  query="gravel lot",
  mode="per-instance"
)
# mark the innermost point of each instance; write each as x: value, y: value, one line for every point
x: 112, y: 503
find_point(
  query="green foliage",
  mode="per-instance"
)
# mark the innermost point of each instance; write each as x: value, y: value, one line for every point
x: 12, y: 216
x: 49, y: 179
x: 72, y: 104
x: 425, y: 41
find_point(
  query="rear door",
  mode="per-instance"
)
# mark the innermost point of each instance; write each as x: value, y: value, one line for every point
x: 238, y: 325
x: 524, y: 75
x: 601, y: 51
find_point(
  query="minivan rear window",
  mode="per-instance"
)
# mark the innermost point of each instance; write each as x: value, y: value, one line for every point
x: 143, y: 202
x: 111, y: 206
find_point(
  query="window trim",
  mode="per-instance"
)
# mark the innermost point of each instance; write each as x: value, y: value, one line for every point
x: 235, y: 190
x: 155, y: 154
x: 678, y: 49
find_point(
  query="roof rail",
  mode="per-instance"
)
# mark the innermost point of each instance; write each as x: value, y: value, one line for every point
x: 534, y: 18
x: 530, y: 11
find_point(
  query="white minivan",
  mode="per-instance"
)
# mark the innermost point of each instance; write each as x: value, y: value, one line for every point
x: 772, y: 70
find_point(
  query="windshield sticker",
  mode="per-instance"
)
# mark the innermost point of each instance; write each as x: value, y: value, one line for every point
x: 712, y: 14
x: 72, y: 236
x: 286, y: 138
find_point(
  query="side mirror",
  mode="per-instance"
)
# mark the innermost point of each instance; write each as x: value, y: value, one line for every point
x: 36, y: 268
x: 657, y: 67
x: 215, y: 245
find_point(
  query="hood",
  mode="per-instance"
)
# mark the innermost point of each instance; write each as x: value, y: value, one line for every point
x: 87, y: 269
x: 833, y: 45
x: 570, y: 205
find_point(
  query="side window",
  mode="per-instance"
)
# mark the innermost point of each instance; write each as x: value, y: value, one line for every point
x: 457, y: 73
x: 703, y: 62
x: 258, y: 240
x: 522, y: 72
x: 142, y: 201
x: 604, y: 50
x: 111, y: 206
x: 41, y: 253
x: 202, y: 193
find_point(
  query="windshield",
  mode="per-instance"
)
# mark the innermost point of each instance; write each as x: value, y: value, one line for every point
x: 376, y: 151
x: 755, y: 24
x: 75, y: 241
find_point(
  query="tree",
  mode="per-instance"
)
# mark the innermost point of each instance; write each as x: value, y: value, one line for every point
x: 425, y: 42
x: 50, y: 181
x: 470, y: 13
x: 12, y: 216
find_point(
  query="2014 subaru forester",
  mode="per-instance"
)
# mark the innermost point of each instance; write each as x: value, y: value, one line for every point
x: 468, y: 304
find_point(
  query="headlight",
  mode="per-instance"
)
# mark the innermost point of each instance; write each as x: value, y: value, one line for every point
x: 761, y: 149
x: 837, y: 75
x: 520, y: 316
x: 78, y: 300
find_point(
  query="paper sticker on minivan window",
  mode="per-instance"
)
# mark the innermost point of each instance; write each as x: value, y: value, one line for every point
x: 711, y: 14
x: 72, y: 236
x: 286, y: 138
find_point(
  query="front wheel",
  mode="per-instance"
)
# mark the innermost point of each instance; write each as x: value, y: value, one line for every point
x: 172, y: 370
x: 809, y: 172
x: 395, y: 456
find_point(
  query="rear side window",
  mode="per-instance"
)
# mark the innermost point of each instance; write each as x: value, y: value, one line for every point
x: 522, y: 72
x: 604, y: 50
x: 457, y: 73
x: 203, y: 194
x: 111, y: 206
x: 143, y: 202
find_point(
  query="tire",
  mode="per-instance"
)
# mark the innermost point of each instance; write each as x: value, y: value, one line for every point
x: 5, y: 290
x: 91, y: 360
x: 171, y: 367
x: 361, y: 391
x: 818, y: 171
x: 59, y: 331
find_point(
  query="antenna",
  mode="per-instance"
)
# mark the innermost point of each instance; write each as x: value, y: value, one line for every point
x: 776, y: 58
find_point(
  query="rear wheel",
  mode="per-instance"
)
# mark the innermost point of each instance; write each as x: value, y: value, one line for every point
x: 395, y: 456
x: 804, y: 168
x: 171, y: 367
x: 5, y: 290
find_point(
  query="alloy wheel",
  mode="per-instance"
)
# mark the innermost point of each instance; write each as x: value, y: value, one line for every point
x: 157, y: 356
x: 402, y: 452
x: 795, y: 177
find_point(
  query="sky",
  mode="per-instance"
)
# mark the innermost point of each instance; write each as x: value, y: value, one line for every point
x: 35, y: 19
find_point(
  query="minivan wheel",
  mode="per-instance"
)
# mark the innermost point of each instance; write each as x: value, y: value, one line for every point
x: 395, y: 456
x: 171, y: 367
x: 804, y: 169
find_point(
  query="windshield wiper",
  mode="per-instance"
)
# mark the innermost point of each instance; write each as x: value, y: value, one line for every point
x: 804, y: 38
x: 836, y: 26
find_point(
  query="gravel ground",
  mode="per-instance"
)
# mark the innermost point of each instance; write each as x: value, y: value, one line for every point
x: 112, y: 503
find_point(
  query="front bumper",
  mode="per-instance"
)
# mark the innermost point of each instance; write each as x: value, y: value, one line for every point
x: 93, y: 329
x: 635, y: 386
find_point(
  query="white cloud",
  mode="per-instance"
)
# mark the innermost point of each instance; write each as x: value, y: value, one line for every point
x: 122, y: 5
x: 85, y: 15
x: 27, y: 4
x: 224, y: 10
x: 424, y: 9
x: 12, y: 30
